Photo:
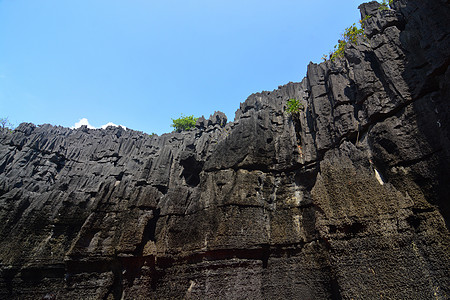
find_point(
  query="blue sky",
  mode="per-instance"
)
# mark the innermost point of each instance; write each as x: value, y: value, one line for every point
x: 140, y: 63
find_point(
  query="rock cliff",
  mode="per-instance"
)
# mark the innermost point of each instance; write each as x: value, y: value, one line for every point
x: 347, y: 200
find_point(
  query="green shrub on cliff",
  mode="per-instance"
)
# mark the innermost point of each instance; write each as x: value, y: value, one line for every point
x: 384, y: 5
x: 350, y: 35
x: 294, y: 106
x: 363, y: 22
x: 184, y: 123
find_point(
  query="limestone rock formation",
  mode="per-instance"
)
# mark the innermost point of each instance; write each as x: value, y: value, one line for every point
x: 349, y: 199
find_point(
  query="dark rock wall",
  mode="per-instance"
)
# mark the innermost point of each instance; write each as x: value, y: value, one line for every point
x: 349, y: 200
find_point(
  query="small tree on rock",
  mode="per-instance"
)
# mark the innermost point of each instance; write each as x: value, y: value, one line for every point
x: 184, y: 123
x: 294, y: 106
x: 5, y: 124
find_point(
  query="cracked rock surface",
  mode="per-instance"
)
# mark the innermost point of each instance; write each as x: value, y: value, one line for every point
x: 348, y: 199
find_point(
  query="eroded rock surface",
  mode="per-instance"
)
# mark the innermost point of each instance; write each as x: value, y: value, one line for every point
x: 347, y: 200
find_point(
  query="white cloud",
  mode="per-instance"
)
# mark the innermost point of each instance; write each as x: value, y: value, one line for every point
x: 112, y: 124
x: 84, y: 121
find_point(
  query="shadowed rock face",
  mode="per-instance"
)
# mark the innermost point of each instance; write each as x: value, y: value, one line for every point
x: 347, y: 200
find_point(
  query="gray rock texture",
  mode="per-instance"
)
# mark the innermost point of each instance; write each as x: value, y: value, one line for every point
x: 348, y: 199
